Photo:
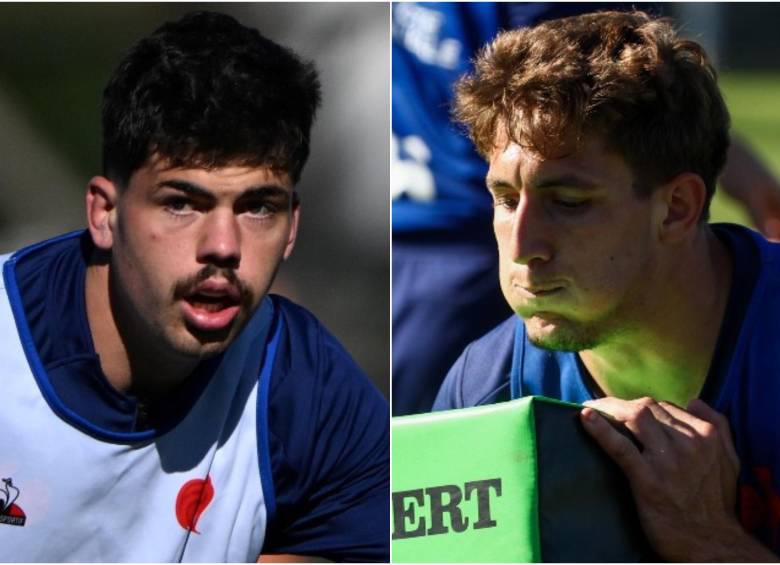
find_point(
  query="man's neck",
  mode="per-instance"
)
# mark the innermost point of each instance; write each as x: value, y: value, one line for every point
x: 129, y: 366
x: 668, y: 355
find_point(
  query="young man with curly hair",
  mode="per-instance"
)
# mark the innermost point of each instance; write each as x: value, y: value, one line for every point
x: 605, y: 135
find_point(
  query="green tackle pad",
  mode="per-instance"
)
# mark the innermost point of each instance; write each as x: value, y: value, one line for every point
x: 518, y: 481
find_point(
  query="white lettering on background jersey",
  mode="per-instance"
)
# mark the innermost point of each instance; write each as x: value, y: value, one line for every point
x: 411, y: 177
x: 417, y: 29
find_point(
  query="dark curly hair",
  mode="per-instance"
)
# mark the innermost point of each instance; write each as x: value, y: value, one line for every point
x: 207, y: 91
x: 625, y: 76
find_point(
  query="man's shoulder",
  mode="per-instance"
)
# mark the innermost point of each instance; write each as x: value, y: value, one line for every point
x: 299, y: 320
x: 489, y: 357
x: 756, y: 270
x: 746, y: 242
x: 327, y: 447
x: 761, y: 297
x: 308, y: 338
x: 312, y: 363
x: 481, y: 373
x: 502, y: 336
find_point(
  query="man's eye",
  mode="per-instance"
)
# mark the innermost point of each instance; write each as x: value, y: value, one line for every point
x: 507, y: 202
x: 570, y: 204
x: 178, y: 206
x: 260, y: 210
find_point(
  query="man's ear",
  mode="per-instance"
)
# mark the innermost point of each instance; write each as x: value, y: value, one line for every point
x: 682, y: 204
x: 102, y: 195
x: 294, y: 217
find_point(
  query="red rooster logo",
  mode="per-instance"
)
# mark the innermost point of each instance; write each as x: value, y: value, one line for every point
x: 192, y: 500
x: 10, y: 513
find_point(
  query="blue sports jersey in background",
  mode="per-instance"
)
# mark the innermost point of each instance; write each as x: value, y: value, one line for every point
x: 438, y: 178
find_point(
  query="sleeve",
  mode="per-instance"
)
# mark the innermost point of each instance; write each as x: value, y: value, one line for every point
x: 329, y: 440
x: 481, y: 373
x: 449, y: 396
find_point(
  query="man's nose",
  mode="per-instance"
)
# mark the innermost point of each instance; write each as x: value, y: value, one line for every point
x: 220, y: 240
x: 531, y: 232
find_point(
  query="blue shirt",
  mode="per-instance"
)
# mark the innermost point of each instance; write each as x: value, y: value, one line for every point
x: 742, y: 382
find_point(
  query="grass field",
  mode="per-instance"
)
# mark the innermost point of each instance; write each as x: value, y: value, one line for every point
x: 752, y: 99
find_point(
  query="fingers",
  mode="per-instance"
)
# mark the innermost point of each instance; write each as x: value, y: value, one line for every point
x: 683, y: 478
x: 659, y: 426
x: 620, y: 448
x: 703, y: 412
x: 648, y: 420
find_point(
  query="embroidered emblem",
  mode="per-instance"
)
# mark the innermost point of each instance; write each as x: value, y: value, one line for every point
x: 192, y: 500
x: 10, y: 513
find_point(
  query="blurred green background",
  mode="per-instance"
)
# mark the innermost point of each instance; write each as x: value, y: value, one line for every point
x: 753, y: 98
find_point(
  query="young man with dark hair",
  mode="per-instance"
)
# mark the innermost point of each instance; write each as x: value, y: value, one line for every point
x: 605, y: 134
x: 159, y: 405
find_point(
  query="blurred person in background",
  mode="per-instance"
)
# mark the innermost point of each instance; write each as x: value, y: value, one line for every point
x: 445, y: 279
x: 209, y: 420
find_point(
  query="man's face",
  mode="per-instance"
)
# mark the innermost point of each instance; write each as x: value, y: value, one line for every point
x: 576, y: 243
x: 195, y: 250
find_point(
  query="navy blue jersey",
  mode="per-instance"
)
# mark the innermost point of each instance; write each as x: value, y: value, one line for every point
x: 322, y: 429
x: 742, y: 381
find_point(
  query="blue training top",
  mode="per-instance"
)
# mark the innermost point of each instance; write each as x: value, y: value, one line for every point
x: 742, y: 381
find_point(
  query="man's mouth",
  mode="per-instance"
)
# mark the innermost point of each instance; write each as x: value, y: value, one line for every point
x: 538, y: 291
x: 212, y: 305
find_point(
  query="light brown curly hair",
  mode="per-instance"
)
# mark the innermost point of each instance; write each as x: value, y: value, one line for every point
x: 626, y: 76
